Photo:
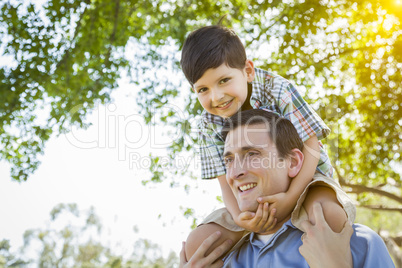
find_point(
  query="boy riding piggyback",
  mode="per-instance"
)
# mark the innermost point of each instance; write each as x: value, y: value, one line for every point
x: 214, y: 62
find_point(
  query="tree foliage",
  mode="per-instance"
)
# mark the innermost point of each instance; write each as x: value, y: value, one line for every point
x: 72, y: 238
x: 67, y: 56
x: 345, y: 55
x: 8, y: 259
x: 64, y: 58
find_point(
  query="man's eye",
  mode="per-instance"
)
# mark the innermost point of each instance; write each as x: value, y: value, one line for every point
x: 228, y: 160
x: 252, y: 153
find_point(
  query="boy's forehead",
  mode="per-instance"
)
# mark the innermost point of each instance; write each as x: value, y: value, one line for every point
x: 213, y: 73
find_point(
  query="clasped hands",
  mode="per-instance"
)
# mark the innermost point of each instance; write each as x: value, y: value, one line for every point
x: 315, y: 240
x: 270, y: 209
x: 260, y: 221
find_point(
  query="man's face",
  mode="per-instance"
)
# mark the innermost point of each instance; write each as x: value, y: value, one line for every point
x: 253, y: 166
x: 222, y: 91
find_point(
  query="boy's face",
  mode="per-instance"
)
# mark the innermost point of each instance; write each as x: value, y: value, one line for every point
x: 222, y: 91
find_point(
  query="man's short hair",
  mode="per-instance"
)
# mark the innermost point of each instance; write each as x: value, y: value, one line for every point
x: 210, y: 47
x: 279, y: 129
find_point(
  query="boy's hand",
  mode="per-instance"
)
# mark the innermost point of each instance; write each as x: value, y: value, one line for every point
x: 280, y: 202
x: 259, y: 222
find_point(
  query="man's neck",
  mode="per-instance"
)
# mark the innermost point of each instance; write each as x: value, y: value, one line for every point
x: 264, y: 238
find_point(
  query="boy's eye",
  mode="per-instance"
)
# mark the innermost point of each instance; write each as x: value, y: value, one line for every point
x: 224, y: 80
x: 201, y: 90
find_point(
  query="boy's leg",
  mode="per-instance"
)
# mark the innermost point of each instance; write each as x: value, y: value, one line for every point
x: 337, y: 205
x: 202, y: 232
x: 334, y: 213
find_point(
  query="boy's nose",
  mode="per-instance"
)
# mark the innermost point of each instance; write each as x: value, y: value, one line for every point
x: 217, y: 96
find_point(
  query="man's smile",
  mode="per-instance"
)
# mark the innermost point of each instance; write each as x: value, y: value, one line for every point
x: 246, y: 187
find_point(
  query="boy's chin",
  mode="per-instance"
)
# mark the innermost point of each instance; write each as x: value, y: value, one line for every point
x: 227, y: 115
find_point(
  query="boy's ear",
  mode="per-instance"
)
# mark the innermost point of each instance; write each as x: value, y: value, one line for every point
x: 249, y: 68
x: 296, y: 161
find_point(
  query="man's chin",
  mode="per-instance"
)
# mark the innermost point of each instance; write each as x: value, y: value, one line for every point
x: 249, y: 207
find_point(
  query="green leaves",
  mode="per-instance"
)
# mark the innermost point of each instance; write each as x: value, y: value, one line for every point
x: 67, y: 57
x: 75, y: 240
x: 343, y: 54
x: 65, y: 60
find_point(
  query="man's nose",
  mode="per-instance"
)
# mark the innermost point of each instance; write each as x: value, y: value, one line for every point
x: 238, y: 168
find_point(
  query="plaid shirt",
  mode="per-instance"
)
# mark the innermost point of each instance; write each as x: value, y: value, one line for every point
x: 271, y: 92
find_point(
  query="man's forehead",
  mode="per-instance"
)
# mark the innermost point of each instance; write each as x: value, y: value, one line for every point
x: 251, y: 136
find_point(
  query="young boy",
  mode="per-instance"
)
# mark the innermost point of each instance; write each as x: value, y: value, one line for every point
x: 225, y: 81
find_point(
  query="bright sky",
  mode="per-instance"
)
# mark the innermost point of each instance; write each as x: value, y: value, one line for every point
x: 104, y: 177
x: 103, y: 167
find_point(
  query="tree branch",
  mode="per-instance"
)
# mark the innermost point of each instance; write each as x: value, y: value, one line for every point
x: 380, y: 207
x: 116, y: 20
x: 356, y: 188
x: 77, y: 29
x: 398, y: 240
x: 393, y: 248
x: 343, y: 52
x: 264, y: 31
x: 113, y: 34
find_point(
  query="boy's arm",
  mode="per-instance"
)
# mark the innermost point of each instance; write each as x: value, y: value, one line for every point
x: 311, y: 151
x: 285, y: 202
x: 260, y: 221
x: 228, y: 198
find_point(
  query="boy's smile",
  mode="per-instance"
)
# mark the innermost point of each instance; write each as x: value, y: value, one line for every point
x: 222, y: 91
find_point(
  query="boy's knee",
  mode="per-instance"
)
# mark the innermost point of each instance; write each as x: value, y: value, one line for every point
x: 334, y: 214
x: 202, y: 232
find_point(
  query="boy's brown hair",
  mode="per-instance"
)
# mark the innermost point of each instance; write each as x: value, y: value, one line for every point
x: 209, y: 47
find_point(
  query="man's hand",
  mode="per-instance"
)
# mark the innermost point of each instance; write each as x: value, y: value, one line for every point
x: 259, y: 222
x: 280, y: 202
x: 322, y: 247
x: 199, y: 260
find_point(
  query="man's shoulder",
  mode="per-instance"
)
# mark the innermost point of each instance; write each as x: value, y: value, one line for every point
x: 366, y: 233
x: 368, y: 248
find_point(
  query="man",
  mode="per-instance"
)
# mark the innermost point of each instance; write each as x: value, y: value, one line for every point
x: 262, y: 154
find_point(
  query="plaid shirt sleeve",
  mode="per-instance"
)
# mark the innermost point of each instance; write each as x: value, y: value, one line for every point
x: 298, y: 111
x: 211, y: 147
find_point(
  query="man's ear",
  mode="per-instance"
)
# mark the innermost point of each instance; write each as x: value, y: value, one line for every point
x: 296, y: 162
x: 250, y: 71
